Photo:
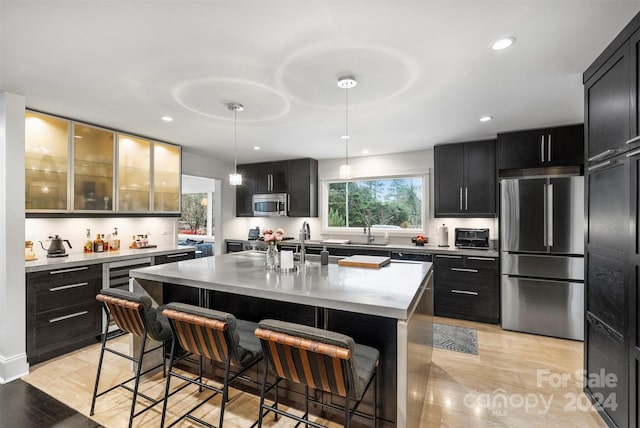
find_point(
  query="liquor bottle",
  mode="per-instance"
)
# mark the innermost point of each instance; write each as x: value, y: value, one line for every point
x: 105, y: 242
x: 114, y: 244
x: 98, y: 244
x: 88, y: 244
x: 133, y: 243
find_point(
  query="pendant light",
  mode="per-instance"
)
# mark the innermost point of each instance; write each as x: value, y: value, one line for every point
x: 346, y: 83
x: 235, y: 179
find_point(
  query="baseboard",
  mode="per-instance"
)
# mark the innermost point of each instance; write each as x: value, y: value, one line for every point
x: 13, y: 368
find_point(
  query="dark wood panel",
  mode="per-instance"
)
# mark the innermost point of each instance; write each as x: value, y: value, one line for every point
x: 244, y: 192
x: 449, y: 179
x: 519, y: 149
x: 170, y: 258
x: 303, y: 188
x: 607, y: 207
x: 606, y: 290
x: 480, y: 177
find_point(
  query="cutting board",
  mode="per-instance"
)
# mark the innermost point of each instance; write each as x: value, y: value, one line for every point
x: 336, y: 241
x: 373, y: 262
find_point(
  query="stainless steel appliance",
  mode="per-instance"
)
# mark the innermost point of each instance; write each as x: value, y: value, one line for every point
x: 269, y: 204
x: 56, y: 246
x: 472, y: 238
x: 542, y: 255
x: 116, y: 275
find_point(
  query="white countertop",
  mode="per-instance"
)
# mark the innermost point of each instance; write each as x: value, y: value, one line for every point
x: 78, y: 259
x: 389, y: 291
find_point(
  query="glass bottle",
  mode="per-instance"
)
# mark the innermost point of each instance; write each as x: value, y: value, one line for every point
x: 29, y: 254
x: 98, y: 244
x: 88, y: 243
x: 114, y: 245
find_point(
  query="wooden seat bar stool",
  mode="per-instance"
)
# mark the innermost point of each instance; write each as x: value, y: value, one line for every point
x: 320, y: 359
x: 216, y: 336
x: 133, y: 314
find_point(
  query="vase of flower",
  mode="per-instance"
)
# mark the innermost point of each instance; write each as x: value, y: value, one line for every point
x: 272, y: 256
x: 272, y: 239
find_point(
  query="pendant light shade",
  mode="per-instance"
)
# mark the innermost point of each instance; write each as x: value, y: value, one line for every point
x: 346, y: 83
x: 235, y: 179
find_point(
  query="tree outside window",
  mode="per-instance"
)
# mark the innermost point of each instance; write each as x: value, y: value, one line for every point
x: 385, y: 203
x: 193, y: 220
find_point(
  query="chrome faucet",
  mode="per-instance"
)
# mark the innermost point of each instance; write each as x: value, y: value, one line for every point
x: 367, y: 227
x: 305, y: 233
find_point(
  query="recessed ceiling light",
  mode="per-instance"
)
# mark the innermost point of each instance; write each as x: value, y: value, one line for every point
x: 167, y: 118
x: 345, y: 137
x: 486, y: 118
x: 503, y: 43
x: 256, y: 147
x: 365, y: 152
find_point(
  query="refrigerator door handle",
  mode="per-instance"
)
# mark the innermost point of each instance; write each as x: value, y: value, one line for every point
x: 545, y: 223
x: 549, y: 215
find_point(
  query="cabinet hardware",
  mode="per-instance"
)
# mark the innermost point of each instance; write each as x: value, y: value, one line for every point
x: 461, y: 199
x: 466, y: 199
x: 633, y: 140
x: 66, y: 287
x: 549, y: 148
x: 54, y: 272
x: 470, y: 293
x: 601, y: 155
x: 448, y: 257
x: 488, y: 259
x: 633, y: 153
x: 542, y: 148
x: 66, y: 317
x: 549, y: 215
x: 170, y: 256
x: 600, y: 165
x: 464, y: 270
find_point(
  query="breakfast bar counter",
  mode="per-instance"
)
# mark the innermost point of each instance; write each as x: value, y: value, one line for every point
x: 389, y: 308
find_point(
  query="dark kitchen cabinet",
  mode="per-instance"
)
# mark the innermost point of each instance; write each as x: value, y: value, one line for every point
x: 62, y: 311
x: 465, y: 179
x: 245, y: 191
x: 303, y: 188
x: 536, y: 148
x: 467, y: 287
x: 174, y: 257
x: 271, y: 177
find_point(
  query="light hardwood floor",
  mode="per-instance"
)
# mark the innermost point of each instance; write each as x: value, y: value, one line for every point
x: 514, y: 381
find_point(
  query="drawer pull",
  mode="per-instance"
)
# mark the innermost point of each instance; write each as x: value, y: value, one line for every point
x: 66, y: 317
x: 66, y: 287
x: 600, y: 165
x: 633, y: 153
x: 599, y: 156
x: 470, y: 293
x: 170, y: 256
x: 78, y: 269
x: 448, y: 257
x: 485, y: 259
x: 464, y: 270
x: 633, y: 140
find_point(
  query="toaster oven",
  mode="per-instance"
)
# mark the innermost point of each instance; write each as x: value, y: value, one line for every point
x: 472, y: 238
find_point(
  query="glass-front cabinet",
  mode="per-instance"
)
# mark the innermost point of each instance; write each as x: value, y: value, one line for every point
x: 109, y: 171
x: 93, y: 164
x: 46, y: 163
x: 134, y: 174
x: 166, y: 178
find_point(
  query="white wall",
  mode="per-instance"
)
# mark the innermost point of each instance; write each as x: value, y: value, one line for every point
x: 13, y: 358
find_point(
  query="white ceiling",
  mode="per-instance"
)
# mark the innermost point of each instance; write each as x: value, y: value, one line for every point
x: 424, y: 68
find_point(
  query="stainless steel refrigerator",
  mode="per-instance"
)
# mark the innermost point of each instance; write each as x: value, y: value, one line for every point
x: 542, y: 255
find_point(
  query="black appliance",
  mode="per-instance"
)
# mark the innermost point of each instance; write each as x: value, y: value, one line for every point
x: 472, y: 238
x: 254, y: 234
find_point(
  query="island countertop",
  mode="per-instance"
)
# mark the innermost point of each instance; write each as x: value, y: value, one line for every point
x: 388, y: 292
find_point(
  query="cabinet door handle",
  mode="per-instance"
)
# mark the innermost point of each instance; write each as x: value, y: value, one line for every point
x: 549, y: 148
x: 288, y: 203
x: 542, y: 148
x: 470, y: 293
x: 66, y: 287
x: 466, y: 199
x: 461, y: 199
x: 633, y: 153
x: 487, y: 259
x: 171, y: 256
x: 633, y: 140
x: 600, y: 165
x: 55, y: 272
x: 464, y: 270
x: 448, y: 257
x: 66, y: 317
x: 601, y: 155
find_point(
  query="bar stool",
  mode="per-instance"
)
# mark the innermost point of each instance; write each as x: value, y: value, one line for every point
x: 133, y: 314
x: 213, y: 335
x: 320, y: 359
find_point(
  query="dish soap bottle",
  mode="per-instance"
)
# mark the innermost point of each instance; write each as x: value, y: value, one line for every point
x: 324, y: 256
x: 88, y: 243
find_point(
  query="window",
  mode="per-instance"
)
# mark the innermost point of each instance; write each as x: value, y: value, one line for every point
x: 390, y: 204
x: 197, y: 209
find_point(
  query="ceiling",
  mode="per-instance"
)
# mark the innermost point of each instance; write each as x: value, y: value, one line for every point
x: 425, y: 70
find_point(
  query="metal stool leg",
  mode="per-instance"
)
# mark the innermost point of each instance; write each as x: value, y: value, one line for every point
x: 95, y: 388
x: 166, y: 390
x: 137, y: 382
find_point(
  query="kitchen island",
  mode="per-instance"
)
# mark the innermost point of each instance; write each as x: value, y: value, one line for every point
x: 389, y: 308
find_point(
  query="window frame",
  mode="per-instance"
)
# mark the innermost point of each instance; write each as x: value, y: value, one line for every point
x: 324, y: 206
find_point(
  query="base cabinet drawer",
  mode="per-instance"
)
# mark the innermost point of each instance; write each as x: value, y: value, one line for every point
x: 466, y: 303
x: 170, y: 258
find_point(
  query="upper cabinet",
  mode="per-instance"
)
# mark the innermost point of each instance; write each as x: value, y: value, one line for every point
x: 46, y: 163
x: 298, y: 178
x: 465, y: 179
x: 109, y: 172
x: 536, y: 148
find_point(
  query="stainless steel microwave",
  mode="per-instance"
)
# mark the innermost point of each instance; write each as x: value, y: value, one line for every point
x: 269, y: 204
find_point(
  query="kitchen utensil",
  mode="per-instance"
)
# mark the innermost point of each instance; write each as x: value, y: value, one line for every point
x: 56, y: 246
